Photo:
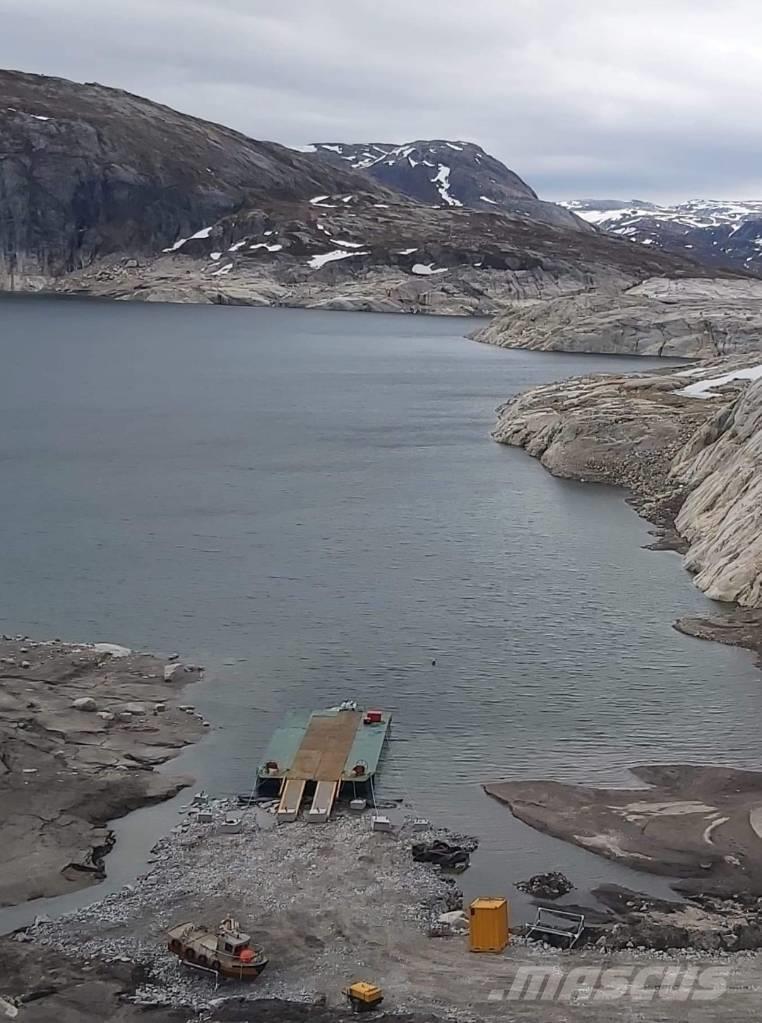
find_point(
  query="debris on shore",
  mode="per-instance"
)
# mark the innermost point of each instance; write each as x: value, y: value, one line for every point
x: 551, y: 885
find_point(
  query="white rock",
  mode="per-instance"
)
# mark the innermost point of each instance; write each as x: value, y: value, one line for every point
x: 84, y: 703
x: 135, y: 709
x: 112, y: 648
x: 8, y: 1009
x: 169, y: 671
x: 456, y: 916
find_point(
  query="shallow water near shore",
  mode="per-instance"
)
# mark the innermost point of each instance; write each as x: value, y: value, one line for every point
x: 310, y: 505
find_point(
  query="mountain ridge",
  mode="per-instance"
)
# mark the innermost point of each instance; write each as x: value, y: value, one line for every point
x: 446, y: 172
x: 713, y: 232
x: 106, y: 193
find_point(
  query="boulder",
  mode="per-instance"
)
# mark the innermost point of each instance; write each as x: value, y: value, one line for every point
x: 86, y: 703
x: 135, y: 709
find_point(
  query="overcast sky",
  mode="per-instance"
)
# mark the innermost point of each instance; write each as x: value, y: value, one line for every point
x: 604, y: 98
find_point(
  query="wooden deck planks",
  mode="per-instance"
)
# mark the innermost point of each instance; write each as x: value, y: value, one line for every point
x: 325, y: 747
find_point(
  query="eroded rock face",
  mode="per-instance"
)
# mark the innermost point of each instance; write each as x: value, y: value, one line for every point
x: 686, y: 443
x: 722, y: 515
x: 694, y: 317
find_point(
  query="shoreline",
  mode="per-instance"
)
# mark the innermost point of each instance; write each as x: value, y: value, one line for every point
x: 672, y: 457
x: 83, y: 730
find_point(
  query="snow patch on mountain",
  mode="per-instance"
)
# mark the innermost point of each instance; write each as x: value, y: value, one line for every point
x: 711, y: 231
x: 442, y: 181
x: 203, y: 233
x: 329, y: 257
x: 426, y: 269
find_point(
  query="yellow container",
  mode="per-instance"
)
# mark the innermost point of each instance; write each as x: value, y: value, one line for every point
x: 488, y: 925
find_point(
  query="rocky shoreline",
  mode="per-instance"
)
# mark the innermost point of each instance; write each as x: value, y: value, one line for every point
x: 83, y: 729
x: 688, y: 316
x: 687, y: 446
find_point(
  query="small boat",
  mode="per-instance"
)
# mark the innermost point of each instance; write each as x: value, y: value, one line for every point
x: 228, y: 952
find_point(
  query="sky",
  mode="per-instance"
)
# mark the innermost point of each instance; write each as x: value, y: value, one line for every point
x: 590, y: 98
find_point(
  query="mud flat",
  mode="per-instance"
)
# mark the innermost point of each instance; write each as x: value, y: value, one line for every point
x: 82, y: 730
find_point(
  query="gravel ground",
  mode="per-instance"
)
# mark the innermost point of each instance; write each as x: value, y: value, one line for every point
x: 320, y: 898
x: 333, y: 903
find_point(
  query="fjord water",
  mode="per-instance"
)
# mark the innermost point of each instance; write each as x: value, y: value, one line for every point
x: 310, y: 504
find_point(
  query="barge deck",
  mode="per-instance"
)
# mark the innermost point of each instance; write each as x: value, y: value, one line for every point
x: 320, y: 753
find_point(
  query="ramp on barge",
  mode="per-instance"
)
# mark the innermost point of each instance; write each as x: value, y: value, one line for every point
x: 326, y: 749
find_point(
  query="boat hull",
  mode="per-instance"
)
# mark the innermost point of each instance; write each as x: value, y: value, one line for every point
x: 229, y: 970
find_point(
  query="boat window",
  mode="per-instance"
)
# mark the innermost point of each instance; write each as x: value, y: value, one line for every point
x: 228, y: 947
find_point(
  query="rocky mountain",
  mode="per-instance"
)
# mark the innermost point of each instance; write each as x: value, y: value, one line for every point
x: 350, y: 251
x: 441, y: 173
x: 105, y: 193
x: 714, y: 233
x: 86, y: 169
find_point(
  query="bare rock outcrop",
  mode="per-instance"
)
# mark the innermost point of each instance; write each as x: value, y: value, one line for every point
x: 722, y: 515
x: 692, y: 822
x: 66, y: 770
x: 692, y: 316
x: 686, y: 443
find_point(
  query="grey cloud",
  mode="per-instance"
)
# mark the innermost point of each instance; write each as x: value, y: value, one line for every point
x: 654, y: 100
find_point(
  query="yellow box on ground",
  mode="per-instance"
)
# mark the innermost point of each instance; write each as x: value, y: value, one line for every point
x: 488, y: 925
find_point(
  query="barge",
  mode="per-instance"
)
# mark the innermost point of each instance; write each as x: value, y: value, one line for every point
x: 323, y: 755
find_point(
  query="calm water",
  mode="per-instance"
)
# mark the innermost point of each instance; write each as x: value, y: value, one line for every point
x: 310, y: 504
